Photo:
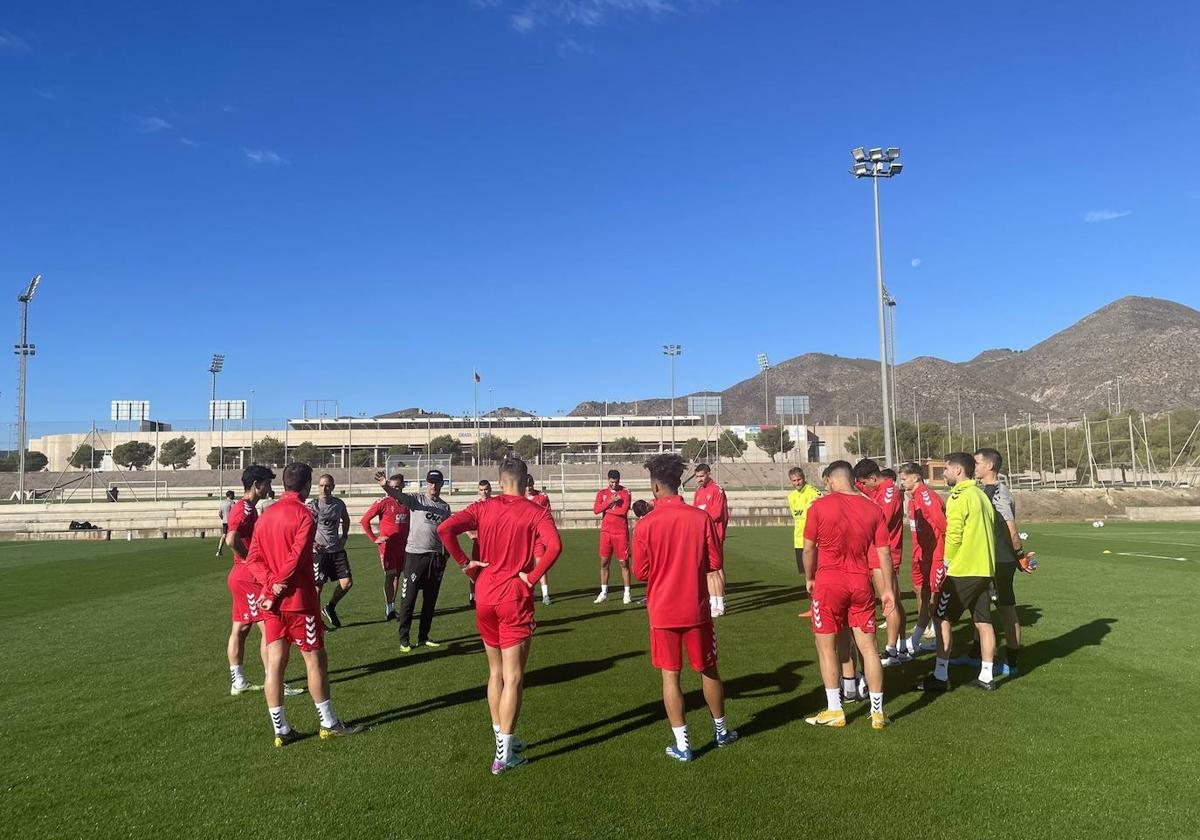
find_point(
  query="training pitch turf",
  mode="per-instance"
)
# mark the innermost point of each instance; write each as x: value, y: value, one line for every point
x: 117, y: 719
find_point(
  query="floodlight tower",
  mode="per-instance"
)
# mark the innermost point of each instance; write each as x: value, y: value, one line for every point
x: 764, y: 365
x: 24, y: 350
x: 671, y: 351
x: 875, y: 164
x: 890, y: 302
x: 218, y: 362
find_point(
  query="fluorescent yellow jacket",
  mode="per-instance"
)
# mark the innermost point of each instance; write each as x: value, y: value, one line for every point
x: 970, y: 534
x: 798, y: 502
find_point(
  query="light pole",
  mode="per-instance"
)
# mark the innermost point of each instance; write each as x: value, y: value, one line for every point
x: 671, y: 351
x: 876, y: 164
x: 891, y: 310
x: 765, y: 366
x: 24, y: 350
x: 218, y: 362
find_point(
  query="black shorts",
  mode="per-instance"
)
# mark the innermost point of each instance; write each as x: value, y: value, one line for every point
x: 1006, y: 596
x: 224, y: 528
x: 330, y: 565
x: 965, y: 593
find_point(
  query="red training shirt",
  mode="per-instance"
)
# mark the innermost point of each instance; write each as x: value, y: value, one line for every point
x: 614, y: 519
x: 890, y: 499
x: 242, y: 517
x: 674, y: 548
x: 393, y: 519
x: 512, y: 530
x: 540, y: 499
x: 928, y: 524
x: 282, y: 553
x: 847, y: 530
x: 711, y: 499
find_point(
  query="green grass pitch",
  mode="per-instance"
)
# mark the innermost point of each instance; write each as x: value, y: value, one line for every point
x: 117, y: 720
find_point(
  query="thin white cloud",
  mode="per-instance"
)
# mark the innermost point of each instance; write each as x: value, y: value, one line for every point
x: 12, y: 42
x: 533, y: 14
x: 187, y: 141
x: 570, y: 46
x: 150, y: 125
x: 1093, y: 216
x: 264, y: 157
x: 916, y: 262
x: 43, y: 93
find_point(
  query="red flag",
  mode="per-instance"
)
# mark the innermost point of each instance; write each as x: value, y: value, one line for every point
x: 477, y: 379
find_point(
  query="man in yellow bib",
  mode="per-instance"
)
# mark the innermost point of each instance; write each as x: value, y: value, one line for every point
x: 803, y: 494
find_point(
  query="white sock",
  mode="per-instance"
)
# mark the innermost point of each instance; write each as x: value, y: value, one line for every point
x: 720, y: 602
x: 236, y: 674
x: 680, y: 733
x: 604, y: 589
x: 849, y: 686
x: 876, y: 702
x: 917, y: 633
x: 985, y: 672
x: 325, y: 713
x: 279, y: 720
x: 712, y: 602
x: 391, y: 606
x: 719, y: 725
x: 627, y: 593
x: 545, y: 590
x: 833, y: 699
x: 495, y: 729
x: 503, y: 746
x: 941, y: 669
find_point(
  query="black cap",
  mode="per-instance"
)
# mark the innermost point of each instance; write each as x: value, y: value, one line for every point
x: 435, y: 475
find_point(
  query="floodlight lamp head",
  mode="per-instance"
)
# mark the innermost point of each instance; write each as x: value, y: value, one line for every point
x: 895, y: 168
x: 33, y: 284
x: 763, y: 364
x: 861, y: 169
x: 877, y: 154
x: 218, y: 362
x: 859, y: 154
x: 893, y: 152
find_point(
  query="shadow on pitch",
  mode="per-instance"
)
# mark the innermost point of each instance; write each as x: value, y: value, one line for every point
x: 549, y: 675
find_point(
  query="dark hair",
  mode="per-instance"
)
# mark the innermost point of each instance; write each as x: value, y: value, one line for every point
x: 397, y: 477
x: 615, y: 474
x: 296, y: 476
x: 229, y: 494
x: 962, y: 459
x: 513, y: 466
x: 866, y: 468
x: 700, y: 467
x: 483, y: 482
x: 254, y: 474
x: 992, y: 457
x: 667, y: 469
x: 912, y: 468
x: 795, y: 471
x: 530, y: 481
x: 842, y: 467
x: 889, y: 473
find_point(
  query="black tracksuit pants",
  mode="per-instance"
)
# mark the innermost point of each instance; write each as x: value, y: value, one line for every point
x: 422, y: 574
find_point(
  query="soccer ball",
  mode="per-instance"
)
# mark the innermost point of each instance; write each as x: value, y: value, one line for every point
x: 1024, y: 536
x: 1097, y: 524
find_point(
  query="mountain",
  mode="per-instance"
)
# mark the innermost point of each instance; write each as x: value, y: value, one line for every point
x: 1151, y: 345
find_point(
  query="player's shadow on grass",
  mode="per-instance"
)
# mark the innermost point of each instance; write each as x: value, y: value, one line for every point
x: 1027, y: 616
x: 419, y: 656
x: 549, y: 675
x: 783, y: 680
x: 766, y: 598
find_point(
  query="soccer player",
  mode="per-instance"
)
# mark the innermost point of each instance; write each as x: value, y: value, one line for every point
x: 882, y: 490
x: 675, y: 550
x: 424, y: 558
x: 330, y: 561
x: 542, y: 500
x: 612, y: 506
x: 1010, y: 553
x: 970, y: 566
x: 843, y: 530
x: 394, y: 522
x: 485, y: 493
x: 927, y: 521
x: 256, y: 481
x: 520, y: 543
x: 710, y: 498
x: 802, y: 496
x: 281, y: 561
x: 223, y: 515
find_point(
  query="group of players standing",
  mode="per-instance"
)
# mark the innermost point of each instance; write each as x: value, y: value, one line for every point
x: 848, y: 547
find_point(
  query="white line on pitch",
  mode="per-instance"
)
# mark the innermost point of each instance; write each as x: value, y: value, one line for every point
x: 1151, y: 556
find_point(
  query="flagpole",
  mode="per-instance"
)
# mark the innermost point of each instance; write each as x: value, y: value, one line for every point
x: 475, y: 395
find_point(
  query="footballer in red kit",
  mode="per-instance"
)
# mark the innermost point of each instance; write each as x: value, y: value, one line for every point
x: 280, y: 559
x: 518, y: 543
x: 883, y: 491
x: 710, y: 498
x: 243, y: 589
x: 676, y: 548
x: 392, y: 538
x: 612, y: 506
x: 842, y: 532
x: 927, y: 521
x: 541, y: 500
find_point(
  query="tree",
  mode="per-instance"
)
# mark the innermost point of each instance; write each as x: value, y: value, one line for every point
x: 363, y: 458
x: 177, y: 453
x: 693, y: 449
x: 773, y: 440
x: 306, y: 453
x: 493, y: 448
x: 35, y: 461
x: 447, y: 445
x: 133, y: 455
x: 267, y: 451
x: 624, y: 444
x: 528, y: 447
x: 84, y: 458
x: 232, y: 457
x: 730, y: 445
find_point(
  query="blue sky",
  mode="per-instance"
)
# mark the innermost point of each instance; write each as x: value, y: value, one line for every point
x: 365, y: 202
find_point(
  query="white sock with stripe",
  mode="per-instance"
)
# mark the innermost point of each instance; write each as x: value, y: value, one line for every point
x: 279, y: 720
x: 325, y: 713
x: 236, y: 674
x: 503, y: 746
x: 833, y: 699
x: 876, y: 702
x: 985, y: 672
x: 681, y: 739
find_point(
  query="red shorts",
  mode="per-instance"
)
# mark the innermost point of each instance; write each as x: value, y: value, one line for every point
x: 306, y: 632
x: 391, y: 556
x: 614, y: 543
x: 840, y: 600
x: 928, y: 575
x: 244, y: 590
x: 667, y: 644
x: 506, y: 624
